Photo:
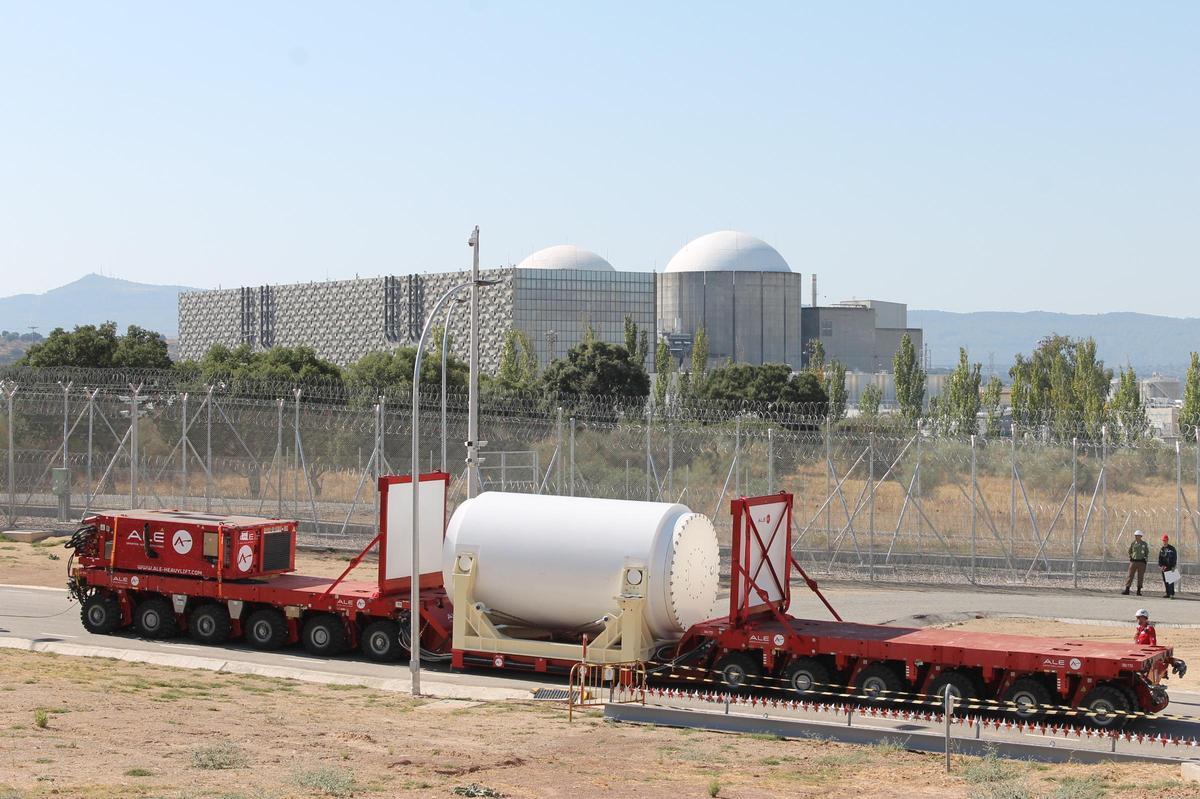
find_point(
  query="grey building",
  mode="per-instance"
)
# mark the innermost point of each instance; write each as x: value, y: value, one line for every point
x: 861, y: 335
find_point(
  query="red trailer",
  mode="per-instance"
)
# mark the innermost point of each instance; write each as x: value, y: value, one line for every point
x: 757, y: 643
x: 222, y: 577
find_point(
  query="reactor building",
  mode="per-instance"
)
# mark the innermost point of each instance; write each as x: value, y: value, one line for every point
x: 737, y: 288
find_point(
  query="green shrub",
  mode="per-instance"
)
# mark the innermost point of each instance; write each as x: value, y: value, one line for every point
x: 221, y: 756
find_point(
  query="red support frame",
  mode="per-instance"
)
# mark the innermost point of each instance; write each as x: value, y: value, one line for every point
x: 757, y: 546
x: 430, y: 579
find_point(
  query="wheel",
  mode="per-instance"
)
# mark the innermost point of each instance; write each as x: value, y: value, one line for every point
x: 737, y: 670
x: 323, y: 634
x: 209, y: 624
x: 1107, y: 706
x: 806, y: 675
x: 879, y: 681
x: 101, y: 614
x: 1029, y: 696
x: 962, y: 686
x: 266, y: 628
x: 380, y: 641
x: 155, y: 618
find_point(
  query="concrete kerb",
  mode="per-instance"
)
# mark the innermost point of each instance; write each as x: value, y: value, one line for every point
x: 440, y: 690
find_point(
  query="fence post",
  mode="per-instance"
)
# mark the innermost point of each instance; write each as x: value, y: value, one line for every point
x: 87, y: 501
x: 66, y: 389
x: 1196, y: 504
x: 12, y: 473
x: 829, y: 484
x: 1075, y: 511
x: 917, y: 487
x: 649, y: 462
x: 737, y: 459
x: 208, y: 476
x: 770, y: 459
x: 279, y: 453
x: 670, y: 460
x: 558, y: 448
x: 1104, y: 493
x: 1178, y: 490
x: 974, y: 530
x: 572, y: 493
x: 183, y: 453
x: 871, y: 481
x: 1012, y: 494
x: 133, y: 445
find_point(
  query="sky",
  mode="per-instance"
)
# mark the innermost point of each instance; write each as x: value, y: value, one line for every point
x: 957, y: 156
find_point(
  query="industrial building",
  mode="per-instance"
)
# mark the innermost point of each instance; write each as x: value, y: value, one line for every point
x: 736, y: 287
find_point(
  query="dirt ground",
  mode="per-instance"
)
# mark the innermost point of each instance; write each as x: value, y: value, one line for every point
x: 45, y: 563
x: 98, y: 729
x: 1186, y: 641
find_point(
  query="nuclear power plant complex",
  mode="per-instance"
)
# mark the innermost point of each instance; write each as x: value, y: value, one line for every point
x: 737, y: 288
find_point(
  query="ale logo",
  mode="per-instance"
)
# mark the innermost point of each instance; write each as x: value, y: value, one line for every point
x: 182, y: 542
x: 245, y: 558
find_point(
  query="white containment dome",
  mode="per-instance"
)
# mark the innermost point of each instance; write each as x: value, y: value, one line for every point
x: 566, y: 256
x: 557, y: 562
x: 727, y: 251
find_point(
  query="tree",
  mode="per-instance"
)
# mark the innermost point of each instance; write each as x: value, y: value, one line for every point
x: 1064, y: 384
x: 1127, y: 408
x: 141, y: 349
x: 518, y: 369
x: 957, y: 410
x: 664, y: 369
x: 597, y: 368
x: 835, y: 389
x: 910, y: 381
x: 99, y: 347
x: 816, y: 358
x: 868, y: 401
x: 391, y: 373
x: 1189, y: 415
x: 991, y: 406
x: 280, y: 364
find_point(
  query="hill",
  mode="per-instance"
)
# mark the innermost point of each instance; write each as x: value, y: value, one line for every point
x: 94, y: 299
x: 1147, y: 342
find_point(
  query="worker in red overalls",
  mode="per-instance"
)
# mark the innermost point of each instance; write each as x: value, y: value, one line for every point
x: 1145, y: 634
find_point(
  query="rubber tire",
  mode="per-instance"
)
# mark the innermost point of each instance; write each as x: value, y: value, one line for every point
x: 266, y: 628
x: 323, y: 634
x: 807, y: 676
x: 155, y: 618
x: 373, y: 638
x: 101, y: 614
x: 209, y: 624
x: 1109, y: 697
x: 737, y: 671
x: 877, y: 678
x: 1032, y: 688
x: 962, y: 686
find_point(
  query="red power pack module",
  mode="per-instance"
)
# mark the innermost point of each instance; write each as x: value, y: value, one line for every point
x: 193, y: 544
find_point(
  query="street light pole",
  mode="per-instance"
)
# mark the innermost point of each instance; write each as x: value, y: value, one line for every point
x: 414, y: 595
x: 473, y: 376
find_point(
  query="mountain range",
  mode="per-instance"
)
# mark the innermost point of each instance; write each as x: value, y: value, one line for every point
x: 1147, y: 342
x: 91, y: 300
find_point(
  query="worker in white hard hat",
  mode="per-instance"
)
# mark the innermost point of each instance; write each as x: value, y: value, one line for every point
x: 1139, y: 553
x: 1145, y: 634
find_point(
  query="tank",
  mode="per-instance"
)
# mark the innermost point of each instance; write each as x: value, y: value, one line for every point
x: 557, y: 562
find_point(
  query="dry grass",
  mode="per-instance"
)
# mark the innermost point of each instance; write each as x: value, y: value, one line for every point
x: 133, y: 730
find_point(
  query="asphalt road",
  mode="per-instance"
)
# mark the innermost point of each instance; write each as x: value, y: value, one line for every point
x: 50, y: 616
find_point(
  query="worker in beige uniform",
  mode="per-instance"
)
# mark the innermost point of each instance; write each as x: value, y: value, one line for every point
x: 1139, y: 553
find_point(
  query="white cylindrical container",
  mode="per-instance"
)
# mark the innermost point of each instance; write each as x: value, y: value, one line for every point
x: 557, y: 562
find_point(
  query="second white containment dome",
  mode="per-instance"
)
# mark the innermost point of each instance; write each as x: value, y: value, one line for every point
x: 727, y: 251
x: 566, y: 256
x: 574, y: 549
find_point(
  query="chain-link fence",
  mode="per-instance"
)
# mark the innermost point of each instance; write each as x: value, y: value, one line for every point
x: 876, y: 499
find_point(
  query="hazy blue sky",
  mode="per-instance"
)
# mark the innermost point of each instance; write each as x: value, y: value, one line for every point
x: 1022, y: 156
